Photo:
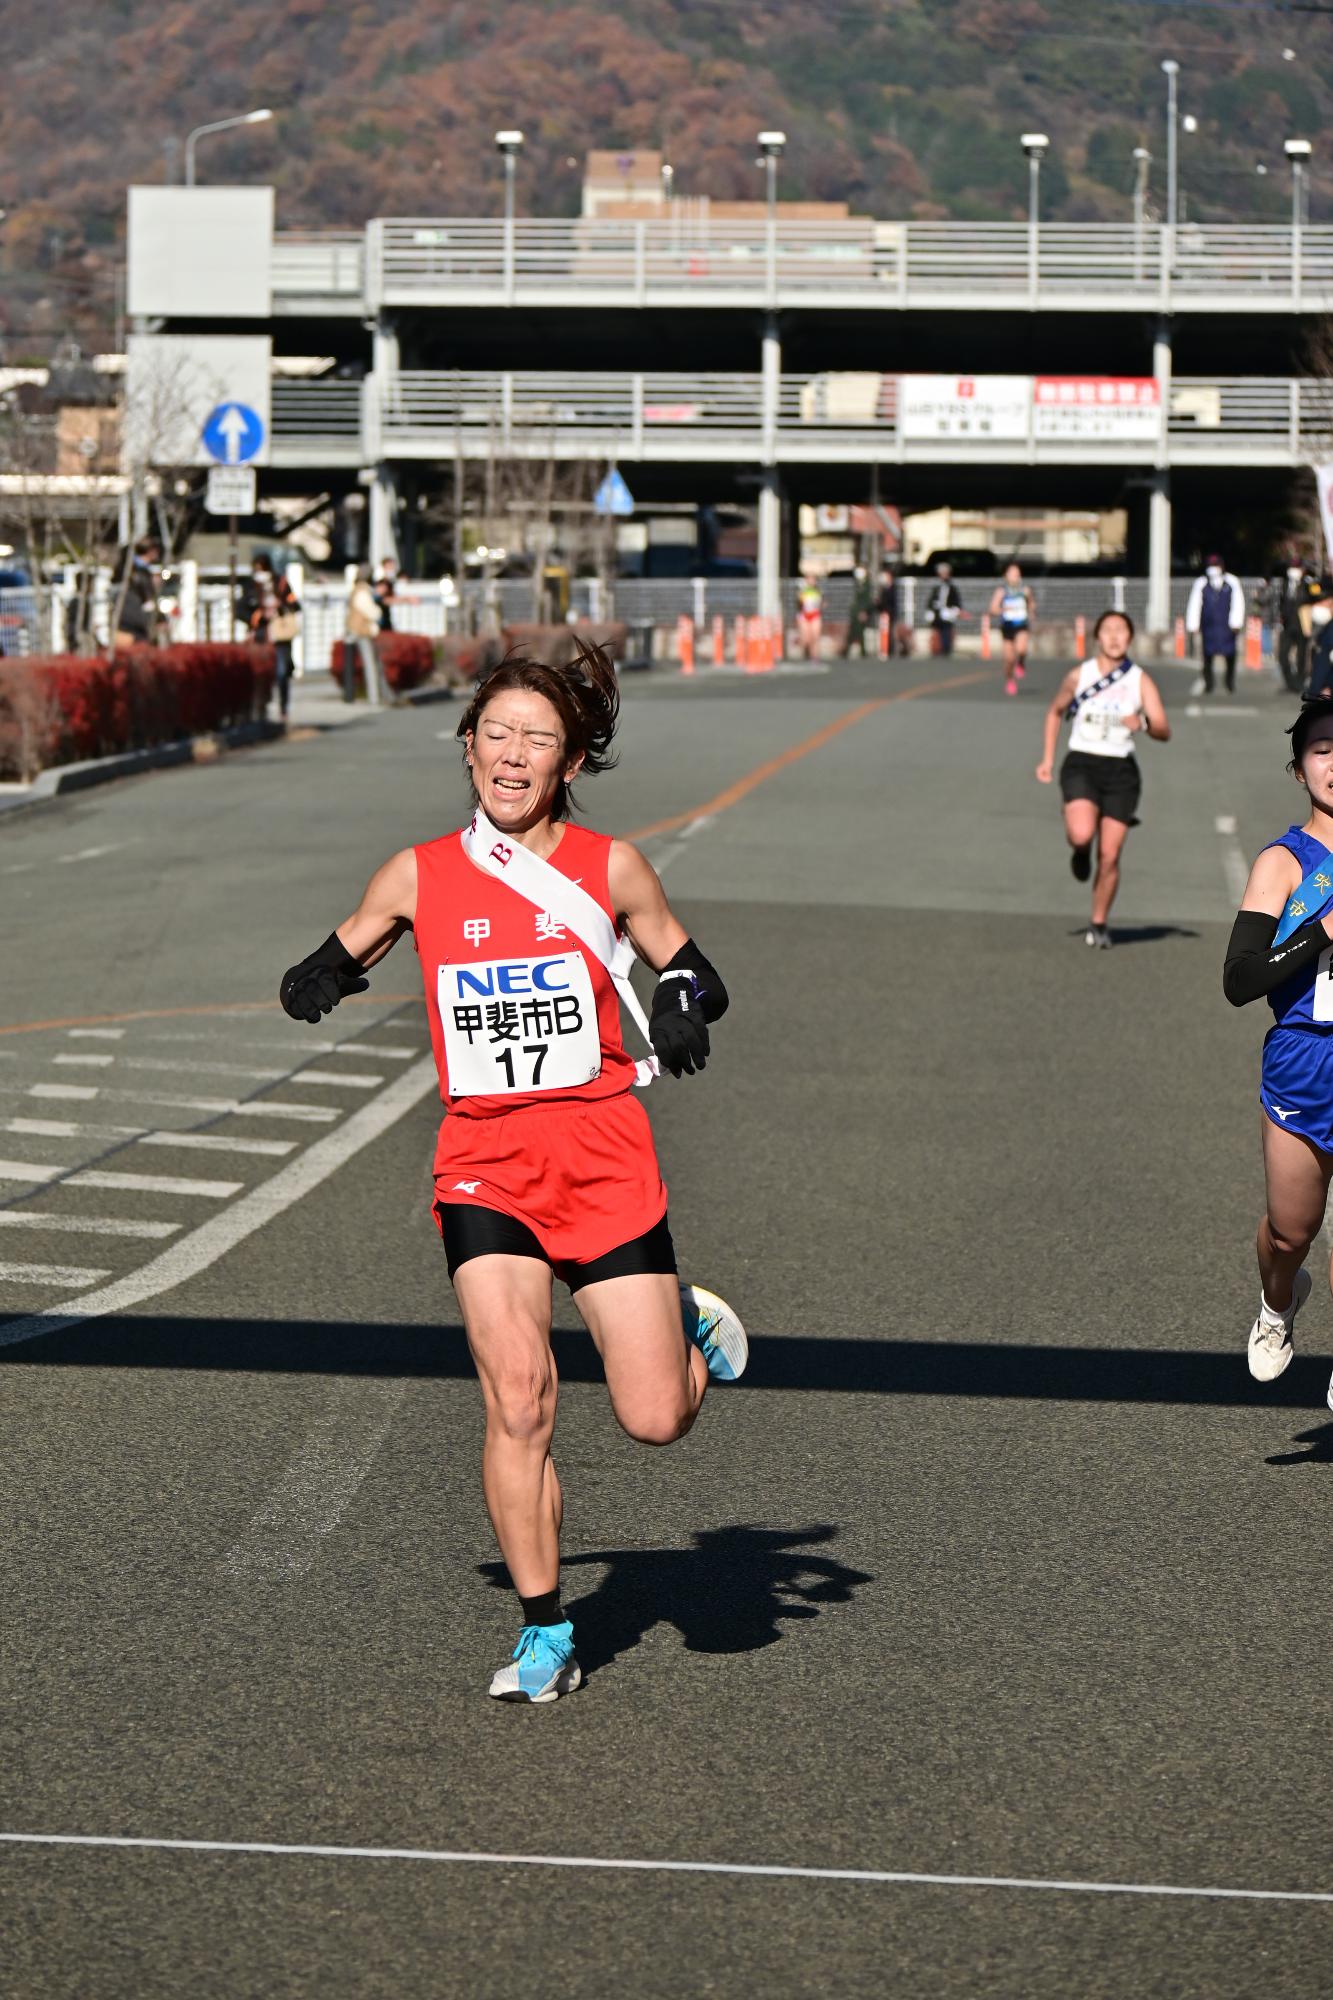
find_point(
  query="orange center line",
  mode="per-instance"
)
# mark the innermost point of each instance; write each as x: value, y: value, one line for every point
x: 734, y: 793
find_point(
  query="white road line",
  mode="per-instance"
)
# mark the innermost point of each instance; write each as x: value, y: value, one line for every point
x: 309, y: 1045
x: 96, y: 1177
x: 84, y: 1062
x: 779, y: 1871
x: 69, y: 1276
x: 92, y: 853
x: 97, y: 1034
x: 1196, y: 709
x: 212, y: 1239
x: 375, y: 1049
x: 679, y: 844
x: 1233, y: 861
x: 344, y: 1080
x: 256, y: 1107
x: 318, y: 1485
x: 85, y: 1225
x: 69, y: 1128
x: 209, y: 1142
x: 193, y: 1068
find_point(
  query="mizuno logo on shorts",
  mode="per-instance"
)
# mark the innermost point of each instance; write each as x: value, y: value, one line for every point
x: 1283, y: 1115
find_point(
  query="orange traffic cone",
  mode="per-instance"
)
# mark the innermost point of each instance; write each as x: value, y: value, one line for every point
x: 1080, y: 636
x: 1180, y: 638
x: 985, y: 635
x: 719, y: 642
x: 685, y: 642
x: 1254, y: 644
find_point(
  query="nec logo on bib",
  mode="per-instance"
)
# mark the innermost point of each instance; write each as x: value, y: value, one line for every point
x: 519, y: 1024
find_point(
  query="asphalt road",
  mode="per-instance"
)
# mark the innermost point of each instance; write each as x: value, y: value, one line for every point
x: 996, y: 1569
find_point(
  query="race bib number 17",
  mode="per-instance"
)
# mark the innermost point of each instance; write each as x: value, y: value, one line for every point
x: 519, y: 1024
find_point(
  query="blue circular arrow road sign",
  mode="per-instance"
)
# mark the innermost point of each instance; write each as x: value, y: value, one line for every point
x: 233, y: 434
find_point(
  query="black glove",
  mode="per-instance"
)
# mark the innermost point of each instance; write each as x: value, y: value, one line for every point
x: 318, y: 983
x: 677, y: 1026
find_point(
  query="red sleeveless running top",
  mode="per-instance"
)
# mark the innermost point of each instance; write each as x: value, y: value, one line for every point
x: 515, y: 1019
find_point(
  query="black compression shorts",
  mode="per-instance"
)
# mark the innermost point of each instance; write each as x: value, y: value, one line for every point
x: 1011, y: 628
x: 1112, y: 784
x: 468, y: 1231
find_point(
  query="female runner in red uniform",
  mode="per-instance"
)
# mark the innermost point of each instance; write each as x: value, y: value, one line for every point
x: 545, y: 1163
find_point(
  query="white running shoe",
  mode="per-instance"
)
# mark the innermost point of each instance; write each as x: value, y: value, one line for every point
x: 1271, y: 1348
x: 712, y: 1327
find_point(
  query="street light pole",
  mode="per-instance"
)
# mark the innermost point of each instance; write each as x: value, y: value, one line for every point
x: 509, y: 144
x: 1142, y: 162
x: 770, y: 149
x: 218, y: 125
x: 1034, y: 145
x: 1298, y: 151
x: 1171, y: 70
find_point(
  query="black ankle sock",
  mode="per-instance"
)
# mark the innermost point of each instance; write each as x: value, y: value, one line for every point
x: 543, y: 1610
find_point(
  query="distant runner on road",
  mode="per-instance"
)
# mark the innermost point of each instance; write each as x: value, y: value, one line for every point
x: 1012, y: 605
x: 525, y: 925
x: 1108, y: 702
x: 1282, y: 947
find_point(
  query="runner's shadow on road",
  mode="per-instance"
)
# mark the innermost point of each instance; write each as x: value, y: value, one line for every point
x: 1320, y: 1448
x: 1142, y: 933
x: 730, y: 1592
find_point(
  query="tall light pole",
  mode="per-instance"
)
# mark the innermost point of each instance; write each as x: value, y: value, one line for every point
x: 1171, y: 70
x: 1034, y: 144
x: 218, y: 125
x: 770, y: 152
x: 1142, y: 162
x: 509, y: 145
x: 1298, y: 151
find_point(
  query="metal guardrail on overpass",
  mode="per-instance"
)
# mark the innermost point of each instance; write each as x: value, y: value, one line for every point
x: 685, y: 260
x: 820, y: 418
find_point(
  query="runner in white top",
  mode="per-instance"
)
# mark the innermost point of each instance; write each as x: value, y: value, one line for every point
x: 1111, y: 702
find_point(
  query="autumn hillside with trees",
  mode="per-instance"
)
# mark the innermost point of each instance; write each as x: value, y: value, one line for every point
x: 901, y: 107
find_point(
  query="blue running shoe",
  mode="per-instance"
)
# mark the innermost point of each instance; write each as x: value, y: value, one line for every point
x: 543, y: 1667
x: 712, y: 1327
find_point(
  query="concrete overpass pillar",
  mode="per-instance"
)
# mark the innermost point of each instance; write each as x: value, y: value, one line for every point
x: 770, y: 489
x: 385, y: 363
x: 1159, y: 492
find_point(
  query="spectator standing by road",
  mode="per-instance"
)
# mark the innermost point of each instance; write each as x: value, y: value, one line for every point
x: 944, y: 607
x: 1291, y: 595
x: 259, y: 602
x: 388, y: 592
x: 886, y: 603
x: 1321, y: 639
x: 283, y: 626
x: 1216, y: 611
x: 137, y: 619
x: 860, y: 614
x: 361, y: 625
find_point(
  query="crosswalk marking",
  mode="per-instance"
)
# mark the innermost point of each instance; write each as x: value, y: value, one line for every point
x: 86, y: 1225
x: 265, y: 1075
x: 69, y: 1128
x: 209, y: 1142
x: 346, y: 1080
x: 97, y: 1034
x: 97, y: 1177
x: 84, y: 1062
x: 255, y: 1107
x: 69, y: 1276
x: 375, y: 1049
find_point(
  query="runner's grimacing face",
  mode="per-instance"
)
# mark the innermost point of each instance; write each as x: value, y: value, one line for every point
x: 1316, y: 772
x: 1113, y: 640
x: 518, y: 758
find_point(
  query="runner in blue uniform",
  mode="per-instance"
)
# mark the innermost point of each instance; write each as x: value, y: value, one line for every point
x: 1012, y: 605
x: 1282, y: 947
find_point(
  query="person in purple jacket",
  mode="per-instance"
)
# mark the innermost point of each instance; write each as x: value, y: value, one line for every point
x: 1216, y: 611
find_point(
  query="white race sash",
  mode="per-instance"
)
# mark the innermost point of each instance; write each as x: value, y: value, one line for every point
x: 574, y: 909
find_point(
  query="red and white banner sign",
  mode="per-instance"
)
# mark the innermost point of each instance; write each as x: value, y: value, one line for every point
x: 1115, y: 408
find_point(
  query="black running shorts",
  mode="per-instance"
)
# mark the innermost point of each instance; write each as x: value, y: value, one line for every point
x: 1112, y: 784
x: 1013, y: 628
x: 468, y: 1231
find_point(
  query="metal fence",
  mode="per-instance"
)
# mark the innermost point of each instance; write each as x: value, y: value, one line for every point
x: 436, y: 413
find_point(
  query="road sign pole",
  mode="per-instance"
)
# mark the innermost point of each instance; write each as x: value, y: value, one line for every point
x: 231, y: 578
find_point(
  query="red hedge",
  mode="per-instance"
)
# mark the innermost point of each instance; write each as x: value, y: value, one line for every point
x: 141, y: 696
x: 407, y: 659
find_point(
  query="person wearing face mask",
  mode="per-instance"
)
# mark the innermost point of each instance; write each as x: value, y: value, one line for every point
x: 1216, y: 611
x: 1290, y: 593
x: 1281, y: 949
